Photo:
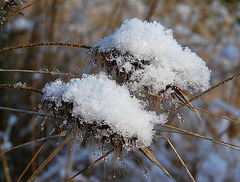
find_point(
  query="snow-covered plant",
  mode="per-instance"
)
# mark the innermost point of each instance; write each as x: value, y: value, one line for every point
x: 139, y: 56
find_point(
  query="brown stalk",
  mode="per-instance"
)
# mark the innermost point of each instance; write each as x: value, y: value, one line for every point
x: 178, y: 156
x: 32, y: 160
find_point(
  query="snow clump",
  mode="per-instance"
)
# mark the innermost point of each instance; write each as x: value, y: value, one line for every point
x: 96, y: 98
x: 166, y: 62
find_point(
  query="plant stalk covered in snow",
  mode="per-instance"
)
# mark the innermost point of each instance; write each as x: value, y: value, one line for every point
x: 138, y: 56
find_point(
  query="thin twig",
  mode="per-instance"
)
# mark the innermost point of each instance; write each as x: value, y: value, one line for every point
x: 32, y: 160
x: 175, y: 151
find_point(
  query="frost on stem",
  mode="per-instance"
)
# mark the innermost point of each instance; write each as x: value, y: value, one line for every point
x: 106, y: 108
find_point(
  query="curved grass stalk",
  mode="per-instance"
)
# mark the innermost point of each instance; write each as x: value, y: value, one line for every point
x: 45, y: 44
x: 178, y: 156
x: 93, y: 163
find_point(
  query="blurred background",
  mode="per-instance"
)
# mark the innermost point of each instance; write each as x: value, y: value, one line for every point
x: 211, y: 28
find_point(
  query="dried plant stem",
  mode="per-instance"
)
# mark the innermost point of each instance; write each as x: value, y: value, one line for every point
x: 93, y: 163
x: 20, y: 177
x: 22, y: 87
x: 5, y: 164
x: 235, y: 147
x: 45, y: 44
x: 40, y: 72
x: 16, y: 12
x: 184, y: 165
x: 50, y: 157
x: 203, y: 93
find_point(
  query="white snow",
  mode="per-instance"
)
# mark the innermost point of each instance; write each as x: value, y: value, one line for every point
x: 169, y: 63
x: 53, y: 91
x: 96, y: 98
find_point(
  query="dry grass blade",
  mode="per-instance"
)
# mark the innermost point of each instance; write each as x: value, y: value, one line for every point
x: 5, y: 164
x: 45, y: 44
x: 149, y: 155
x: 16, y: 12
x: 20, y: 177
x: 40, y: 72
x: 93, y: 163
x: 184, y: 96
x: 201, y: 94
x: 50, y: 158
x: 184, y: 165
x: 235, y: 147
